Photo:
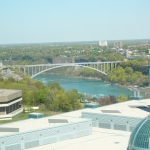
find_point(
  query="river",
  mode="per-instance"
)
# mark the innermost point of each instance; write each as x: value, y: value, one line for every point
x: 86, y: 86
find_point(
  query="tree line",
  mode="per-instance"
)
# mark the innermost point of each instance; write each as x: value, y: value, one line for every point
x: 52, y: 95
x: 132, y: 72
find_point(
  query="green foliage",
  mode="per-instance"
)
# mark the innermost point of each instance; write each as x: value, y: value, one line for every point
x: 61, y: 100
x: 137, y: 65
x: 127, y: 76
x: 86, y: 72
x: 122, y: 98
x: 81, y: 97
x: 110, y: 57
x: 35, y: 93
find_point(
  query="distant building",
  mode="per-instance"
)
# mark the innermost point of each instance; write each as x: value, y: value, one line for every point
x: 128, y: 53
x: 10, y: 103
x: 146, y: 45
x: 102, y: 43
x: 118, y: 44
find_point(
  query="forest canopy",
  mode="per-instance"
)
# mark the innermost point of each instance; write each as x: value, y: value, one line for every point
x: 53, y: 96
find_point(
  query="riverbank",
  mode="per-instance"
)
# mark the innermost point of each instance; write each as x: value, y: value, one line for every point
x: 87, y: 85
x: 143, y: 91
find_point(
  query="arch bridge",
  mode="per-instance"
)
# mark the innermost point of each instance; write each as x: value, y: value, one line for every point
x: 34, y: 70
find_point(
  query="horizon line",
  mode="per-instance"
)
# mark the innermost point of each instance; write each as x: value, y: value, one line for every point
x: 70, y: 41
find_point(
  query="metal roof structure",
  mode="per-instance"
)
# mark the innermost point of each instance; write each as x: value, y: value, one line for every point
x: 140, y: 136
x: 74, y: 128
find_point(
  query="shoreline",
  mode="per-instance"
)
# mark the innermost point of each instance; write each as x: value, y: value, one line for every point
x: 93, y: 78
x: 142, y: 90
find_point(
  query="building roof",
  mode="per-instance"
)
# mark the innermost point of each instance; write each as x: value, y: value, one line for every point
x: 34, y: 124
x: 8, y: 95
x: 118, y: 140
x: 128, y: 108
x: 139, y: 138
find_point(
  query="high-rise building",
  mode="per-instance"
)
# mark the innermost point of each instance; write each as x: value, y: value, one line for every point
x: 118, y: 44
x: 102, y: 43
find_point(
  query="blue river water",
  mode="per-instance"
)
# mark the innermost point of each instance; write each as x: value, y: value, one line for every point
x: 86, y: 86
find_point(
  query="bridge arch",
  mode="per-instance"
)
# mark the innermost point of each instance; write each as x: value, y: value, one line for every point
x: 67, y: 66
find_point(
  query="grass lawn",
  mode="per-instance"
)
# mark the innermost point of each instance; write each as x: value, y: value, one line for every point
x: 24, y: 116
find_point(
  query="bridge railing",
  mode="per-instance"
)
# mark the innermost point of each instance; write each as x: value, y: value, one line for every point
x: 33, y: 70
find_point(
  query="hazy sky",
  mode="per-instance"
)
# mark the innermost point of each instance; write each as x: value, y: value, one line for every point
x: 33, y: 21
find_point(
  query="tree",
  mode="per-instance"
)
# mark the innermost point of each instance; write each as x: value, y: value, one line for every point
x: 63, y: 102
x: 113, y: 99
x: 108, y: 100
x: 81, y: 97
x: 104, y: 101
x: 122, y: 98
x: 72, y: 96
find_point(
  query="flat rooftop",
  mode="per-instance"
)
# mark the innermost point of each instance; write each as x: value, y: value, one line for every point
x: 128, y: 108
x: 101, y: 139
x: 7, y: 95
x: 34, y: 124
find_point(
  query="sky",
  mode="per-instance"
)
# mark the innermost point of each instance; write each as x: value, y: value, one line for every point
x: 41, y: 21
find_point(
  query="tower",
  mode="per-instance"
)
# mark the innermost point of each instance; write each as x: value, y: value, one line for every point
x: 118, y: 44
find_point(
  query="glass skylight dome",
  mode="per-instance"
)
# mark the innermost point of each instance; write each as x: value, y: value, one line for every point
x: 140, y: 137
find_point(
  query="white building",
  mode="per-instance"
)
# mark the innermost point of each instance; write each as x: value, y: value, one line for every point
x: 103, y: 128
x: 128, y: 53
x: 102, y: 43
x: 10, y: 103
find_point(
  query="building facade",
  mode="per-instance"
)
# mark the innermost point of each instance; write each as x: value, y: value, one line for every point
x: 102, y: 43
x: 10, y: 103
x: 118, y: 44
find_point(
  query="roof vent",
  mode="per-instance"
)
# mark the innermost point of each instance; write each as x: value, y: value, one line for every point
x: 110, y: 111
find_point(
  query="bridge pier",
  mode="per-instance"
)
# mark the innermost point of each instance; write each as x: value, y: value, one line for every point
x: 32, y: 71
x: 28, y: 71
x: 24, y: 70
x: 104, y: 68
